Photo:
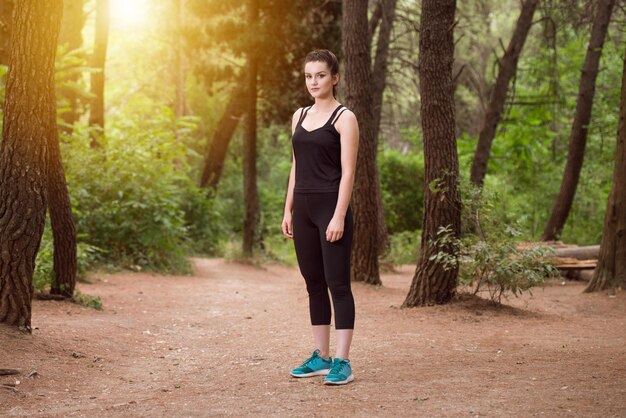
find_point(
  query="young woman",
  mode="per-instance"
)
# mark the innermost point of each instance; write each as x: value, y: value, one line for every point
x: 318, y: 216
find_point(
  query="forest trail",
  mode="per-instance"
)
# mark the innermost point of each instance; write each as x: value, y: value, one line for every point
x: 222, y: 342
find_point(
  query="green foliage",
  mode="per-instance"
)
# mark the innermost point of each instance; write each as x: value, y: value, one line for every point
x: 88, y: 301
x: 491, y: 259
x: 530, y: 150
x: 202, y: 218
x: 402, y: 180
x: 86, y: 257
x: 403, y: 248
x: 220, y: 37
x: 133, y: 208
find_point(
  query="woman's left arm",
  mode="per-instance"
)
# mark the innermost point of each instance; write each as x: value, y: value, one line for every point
x: 348, y: 129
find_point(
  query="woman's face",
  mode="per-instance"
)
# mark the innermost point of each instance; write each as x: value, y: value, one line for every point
x: 319, y: 80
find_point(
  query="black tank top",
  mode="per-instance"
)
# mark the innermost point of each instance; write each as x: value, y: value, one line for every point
x: 318, y: 155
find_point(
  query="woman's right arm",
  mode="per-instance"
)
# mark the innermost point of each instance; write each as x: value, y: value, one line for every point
x: 286, y: 225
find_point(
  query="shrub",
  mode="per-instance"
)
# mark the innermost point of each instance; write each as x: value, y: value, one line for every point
x: 43, y: 276
x: 403, y: 248
x: 133, y: 208
x: 401, y: 179
x: 490, y: 258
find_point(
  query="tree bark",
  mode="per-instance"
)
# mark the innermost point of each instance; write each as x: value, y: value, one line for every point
x: 432, y: 283
x: 179, y: 61
x: 6, y: 19
x: 358, y: 97
x: 578, y: 135
x: 29, y: 123
x: 96, y: 113
x: 251, y: 195
x: 611, y: 269
x: 379, y: 77
x: 71, y: 36
x: 507, y: 68
x: 379, y: 71
x: 214, y: 161
x: 63, y: 229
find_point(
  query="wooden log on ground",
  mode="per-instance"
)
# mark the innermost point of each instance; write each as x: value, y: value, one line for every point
x: 569, y: 263
x: 580, y: 253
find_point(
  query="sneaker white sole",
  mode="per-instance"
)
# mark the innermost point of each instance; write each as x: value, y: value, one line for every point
x: 341, y: 382
x: 322, y: 372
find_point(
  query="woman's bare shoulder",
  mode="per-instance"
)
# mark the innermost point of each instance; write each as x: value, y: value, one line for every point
x: 346, y: 119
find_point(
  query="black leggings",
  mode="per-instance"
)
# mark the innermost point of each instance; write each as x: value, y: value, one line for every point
x: 324, y: 265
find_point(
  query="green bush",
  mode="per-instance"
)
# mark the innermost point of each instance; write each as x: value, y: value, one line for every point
x: 202, y: 216
x: 402, y: 180
x: 403, y: 248
x: 128, y: 196
x: 490, y: 257
x: 43, y: 276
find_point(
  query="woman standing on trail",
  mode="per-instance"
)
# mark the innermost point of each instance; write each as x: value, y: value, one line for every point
x: 318, y: 216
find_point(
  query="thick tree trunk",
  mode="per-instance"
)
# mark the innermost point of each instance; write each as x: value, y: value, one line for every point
x: 578, y: 135
x: 379, y: 77
x: 71, y: 36
x: 358, y: 97
x: 214, y: 161
x: 63, y: 229
x: 611, y: 269
x: 96, y: 113
x: 6, y: 20
x: 432, y: 282
x: 507, y: 68
x: 29, y: 123
x: 251, y: 194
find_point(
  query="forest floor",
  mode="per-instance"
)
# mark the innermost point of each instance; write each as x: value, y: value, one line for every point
x: 222, y: 342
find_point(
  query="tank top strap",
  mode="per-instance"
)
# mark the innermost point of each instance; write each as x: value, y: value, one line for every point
x: 332, y: 116
x: 303, y: 115
x: 338, y: 115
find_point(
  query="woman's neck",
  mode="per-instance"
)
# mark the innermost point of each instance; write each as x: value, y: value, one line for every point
x: 326, y: 104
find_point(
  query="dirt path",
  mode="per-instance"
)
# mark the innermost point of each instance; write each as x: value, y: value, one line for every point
x: 222, y: 343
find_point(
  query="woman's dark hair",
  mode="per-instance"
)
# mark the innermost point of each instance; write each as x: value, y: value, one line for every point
x: 324, y: 55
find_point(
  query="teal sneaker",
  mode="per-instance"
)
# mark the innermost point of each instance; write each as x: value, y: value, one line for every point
x: 340, y: 374
x: 313, y: 366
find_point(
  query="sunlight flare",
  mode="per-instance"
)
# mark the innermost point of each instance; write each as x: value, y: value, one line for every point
x: 129, y: 12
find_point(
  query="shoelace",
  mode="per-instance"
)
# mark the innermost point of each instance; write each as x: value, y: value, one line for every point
x: 309, y: 360
x: 337, y: 367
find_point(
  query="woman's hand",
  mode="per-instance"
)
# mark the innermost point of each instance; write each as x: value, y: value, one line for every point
x: 334, y: 231
x: 287, y: 225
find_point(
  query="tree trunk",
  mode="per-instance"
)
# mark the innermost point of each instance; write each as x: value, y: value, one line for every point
x: 432, y: 282
x: 6, y: 20
x: 507, y: 68
x: 611, y: 269
x: 71, y: 36
x: 379, y: 78
x: 179, y: 61
x: 379, y: 71
x: 96, y: 113
x: 29, y: 123
x: 214, y: 161
x: 578, y: 135
x: 251, y: 195
x: 358, y: 97
x: 63, y: 229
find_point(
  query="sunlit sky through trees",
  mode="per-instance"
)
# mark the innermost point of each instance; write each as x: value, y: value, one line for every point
x: 130, y: 14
